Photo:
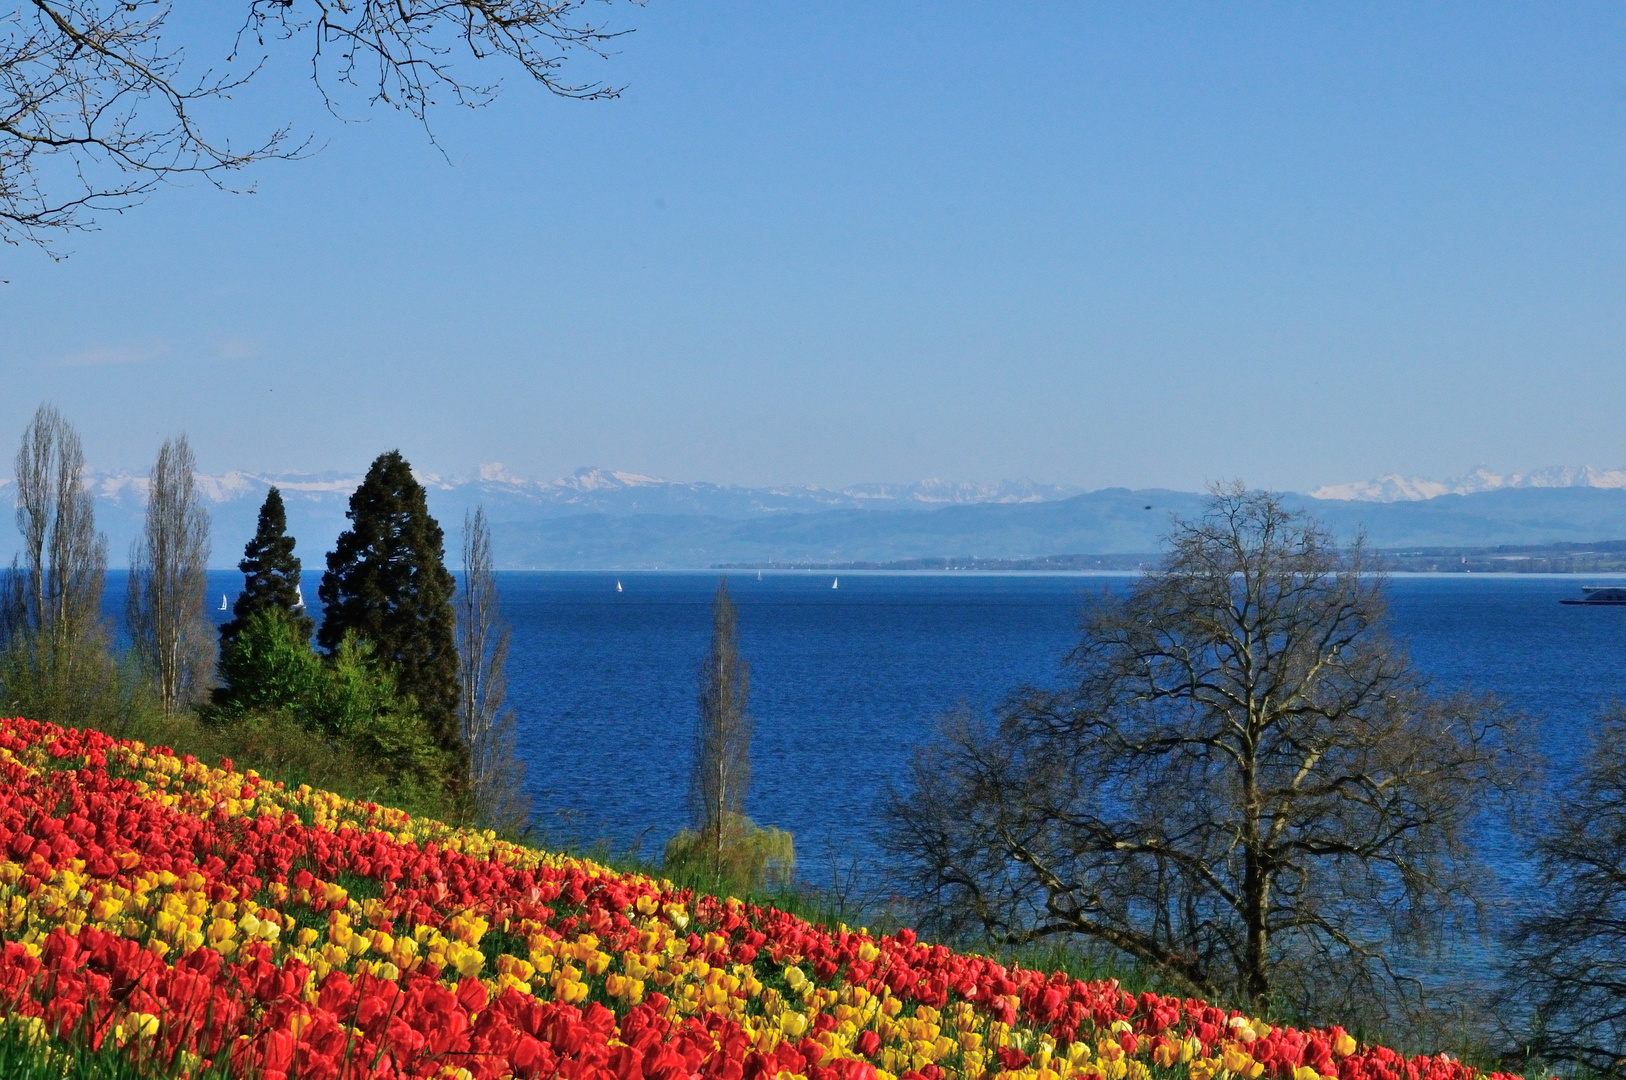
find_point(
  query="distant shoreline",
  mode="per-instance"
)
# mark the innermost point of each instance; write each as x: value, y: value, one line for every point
x: 1600, y: 557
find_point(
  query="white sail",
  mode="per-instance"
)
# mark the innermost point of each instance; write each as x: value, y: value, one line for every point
x: 222, y: 601
x: 836, y: 583
x: 618, y: 586
x: 299, y: 597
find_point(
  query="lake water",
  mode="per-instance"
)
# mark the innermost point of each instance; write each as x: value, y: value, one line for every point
x: 844, y: 682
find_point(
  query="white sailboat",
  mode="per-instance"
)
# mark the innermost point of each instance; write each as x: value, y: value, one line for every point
x: 836, y: 584
x: 222, y: 601
x: 299, y: 598
x: 618, y: 586
x: 759, y: 575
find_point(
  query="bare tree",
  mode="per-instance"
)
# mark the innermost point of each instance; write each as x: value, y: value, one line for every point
x: 169, y: 624
x: 99, y: 104
x: 56, y: 645
x: 1567, y: 969
x: 722, y: 746
x: 487, y: 727
x: 1248, y: 788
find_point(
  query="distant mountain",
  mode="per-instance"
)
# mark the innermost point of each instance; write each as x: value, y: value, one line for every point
x: 610, y: 492
x: 1114, y: 520
x: 1109, y: 522
x: 602, y: 518
x: 1392, y: 487
x: 317, y: 502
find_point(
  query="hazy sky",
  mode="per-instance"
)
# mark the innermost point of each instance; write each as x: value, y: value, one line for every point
x: 1105, y: 245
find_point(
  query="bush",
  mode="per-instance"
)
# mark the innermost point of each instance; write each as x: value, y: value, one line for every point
x: 268, y: 667
x: 278, y: 688
x: 78, y: 685
x: 746, y: 859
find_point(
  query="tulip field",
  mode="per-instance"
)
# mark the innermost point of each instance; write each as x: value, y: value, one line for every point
x: 214, y: 922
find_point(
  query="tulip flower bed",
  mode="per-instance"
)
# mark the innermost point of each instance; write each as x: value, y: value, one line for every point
x: 213, y: 920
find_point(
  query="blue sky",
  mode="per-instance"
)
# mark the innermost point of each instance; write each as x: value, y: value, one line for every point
x: 1142, y: 245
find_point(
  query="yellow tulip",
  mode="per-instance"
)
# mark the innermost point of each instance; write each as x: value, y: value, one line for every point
x: 469, y: 963
x: 1240, y: 1062
x: 1204, y: 1068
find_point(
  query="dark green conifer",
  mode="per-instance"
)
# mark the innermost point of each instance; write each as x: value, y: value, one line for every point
x: 270, y: 575
x: 387, y: 581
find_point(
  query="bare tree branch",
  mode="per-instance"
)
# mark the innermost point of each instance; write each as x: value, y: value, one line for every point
x: 1567, y: 973
x: 1247, y: 786
x: 99, y: 104
x: 55, y: 663
x: 722, y: 738
x: 172, y: 633
x: 488, y: 727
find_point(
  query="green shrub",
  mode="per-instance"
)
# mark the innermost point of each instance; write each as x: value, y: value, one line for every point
x: 269, y: 667
x: 78, y: 684
x: 744, y: 858
x: 284, y: 705
x: 272, y: 675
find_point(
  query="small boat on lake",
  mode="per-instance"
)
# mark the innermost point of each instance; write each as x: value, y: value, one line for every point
x: 1599, y: 596
x: 618, y: 586
x: 836, y: 583
x: 222, y: 601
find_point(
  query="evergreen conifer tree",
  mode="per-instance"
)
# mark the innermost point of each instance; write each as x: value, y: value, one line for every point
x: 270, y: 575
x: 387, y: 581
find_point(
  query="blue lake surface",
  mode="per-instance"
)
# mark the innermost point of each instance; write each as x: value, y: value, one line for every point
x: 845, y: 682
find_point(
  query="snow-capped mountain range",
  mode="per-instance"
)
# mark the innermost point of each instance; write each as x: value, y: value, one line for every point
x: 1392, y: 487
x: 599, y: 490
x: 317, y: 502
x: 606, y: 518
x: 602, y: 489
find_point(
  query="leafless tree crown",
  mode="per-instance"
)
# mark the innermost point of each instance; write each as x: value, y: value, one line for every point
x: 55, y: 590
x: 1246, y: 789
x: 1568, y: 964
x: 166, y: 612
x: 722, y: 751
x: 487, y: 727
x: 99, y: 103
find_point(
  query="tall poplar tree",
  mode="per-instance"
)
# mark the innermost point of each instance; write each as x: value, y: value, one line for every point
x: 166, y: 612
x: 270, y: 575
x: 54, y: 664
x: 387, y: 583
x: 488, y: 727
x: 722, y: 741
